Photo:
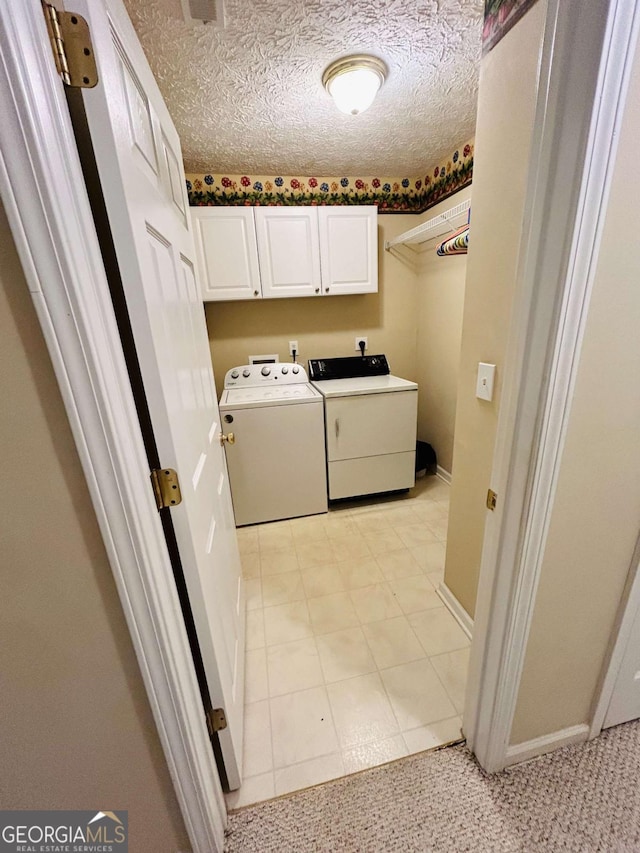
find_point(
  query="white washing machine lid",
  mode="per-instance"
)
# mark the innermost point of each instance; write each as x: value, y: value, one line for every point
x: 363, y: 385
x: 269, y: 395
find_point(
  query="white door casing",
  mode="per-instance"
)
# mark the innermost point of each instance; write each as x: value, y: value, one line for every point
x: 138, y: 151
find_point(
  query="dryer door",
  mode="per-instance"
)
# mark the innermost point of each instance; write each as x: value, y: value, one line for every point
x: 371, y: 443
x: 371, y: 424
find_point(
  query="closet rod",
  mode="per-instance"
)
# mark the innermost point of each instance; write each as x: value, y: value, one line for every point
x: 432, y: 228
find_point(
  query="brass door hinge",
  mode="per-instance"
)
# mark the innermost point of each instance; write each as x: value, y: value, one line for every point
x: 72, y: 48
x: 166, y: 487
x: 492, y: 499
x: 216, y: 720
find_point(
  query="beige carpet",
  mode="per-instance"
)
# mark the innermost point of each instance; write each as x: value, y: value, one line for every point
x: 581, y: 798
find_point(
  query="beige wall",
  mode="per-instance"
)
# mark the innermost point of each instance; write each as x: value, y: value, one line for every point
x: 596, y: 514
x: 325, y: 326
x: 77, y: 731
x: 440, y: 299
x: 507, y: 93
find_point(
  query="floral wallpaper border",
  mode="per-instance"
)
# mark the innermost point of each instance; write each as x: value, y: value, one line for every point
x: 391, y: 195
x: 499, y: 17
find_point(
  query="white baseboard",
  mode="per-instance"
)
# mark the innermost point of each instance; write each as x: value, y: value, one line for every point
x: 444, y: 475
x: 547, y: 743
x: 456, y: 609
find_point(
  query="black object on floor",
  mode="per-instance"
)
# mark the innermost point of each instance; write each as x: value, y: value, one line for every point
x: 425, y: 458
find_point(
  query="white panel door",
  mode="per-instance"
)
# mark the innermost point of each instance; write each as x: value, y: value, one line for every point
x: 139, y: 159
x: 289, y: 251
x: 349, y: 249
x: 227, y: 252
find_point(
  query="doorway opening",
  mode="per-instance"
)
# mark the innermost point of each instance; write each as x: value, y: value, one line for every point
x: 167, y: 703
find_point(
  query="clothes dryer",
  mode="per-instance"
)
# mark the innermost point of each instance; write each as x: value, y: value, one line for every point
x: 370, y: 423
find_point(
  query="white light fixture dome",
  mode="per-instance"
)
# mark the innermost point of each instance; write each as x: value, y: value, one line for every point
x: 353, y: 82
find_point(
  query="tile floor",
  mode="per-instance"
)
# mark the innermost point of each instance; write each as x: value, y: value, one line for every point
x: 352, y: 658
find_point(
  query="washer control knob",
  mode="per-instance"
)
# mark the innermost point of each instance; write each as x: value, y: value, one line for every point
x: 234, y: 374
x: 246, y: 372
x: 265, y: 370
x: 285, y: 370
x: 295, y: 369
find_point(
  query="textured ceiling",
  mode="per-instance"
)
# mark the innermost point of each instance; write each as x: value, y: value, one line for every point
x: 249, y: 98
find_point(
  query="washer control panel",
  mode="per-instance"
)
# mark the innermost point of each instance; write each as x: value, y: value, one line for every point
x: 252, y: 375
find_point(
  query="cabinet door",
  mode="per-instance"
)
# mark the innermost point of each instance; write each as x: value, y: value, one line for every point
x: 289, y: 251
x: 349, y: 249
x: 227, y: 252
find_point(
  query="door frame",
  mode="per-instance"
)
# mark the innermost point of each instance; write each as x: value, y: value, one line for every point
x: 556, y: 268
x: 43, y: 190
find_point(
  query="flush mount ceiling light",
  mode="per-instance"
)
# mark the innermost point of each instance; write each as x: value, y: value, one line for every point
x: 353, y: 82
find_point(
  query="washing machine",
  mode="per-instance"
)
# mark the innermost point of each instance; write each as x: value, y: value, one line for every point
x: 275, y: 451
x: 370, y: 422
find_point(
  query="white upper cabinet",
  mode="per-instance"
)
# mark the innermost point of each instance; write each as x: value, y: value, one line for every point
x: 349, y: 249
x: 227, y: 252
x: 275, y: 252
x: 289, y: 251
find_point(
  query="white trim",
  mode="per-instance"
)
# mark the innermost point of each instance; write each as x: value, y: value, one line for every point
x: 456, y: 609
x: 547, y: 743
x: 553, y: 290
x: 443, y: 474
x: 43, y: 192
x: 626, y: 616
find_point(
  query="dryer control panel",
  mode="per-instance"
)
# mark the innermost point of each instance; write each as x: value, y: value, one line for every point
x: 349, y: 367
x: 254, y: 375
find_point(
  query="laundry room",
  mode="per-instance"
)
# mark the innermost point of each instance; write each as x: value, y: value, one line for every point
x: 257, y: 601
x: 346, y: 329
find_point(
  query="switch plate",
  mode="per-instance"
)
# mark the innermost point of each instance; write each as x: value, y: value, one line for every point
x: 484, y: 386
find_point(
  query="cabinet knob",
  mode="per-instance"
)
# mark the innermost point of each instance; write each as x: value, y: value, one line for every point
x: 256, y: 292
x: 317, y: 290
x: 230, y: 438
x: 326, y: 290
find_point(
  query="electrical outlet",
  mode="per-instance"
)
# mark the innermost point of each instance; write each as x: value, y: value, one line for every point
x: 293, y: 347
x: 361, y: 338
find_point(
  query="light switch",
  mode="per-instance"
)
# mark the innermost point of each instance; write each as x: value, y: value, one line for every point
x: 484, y: 387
